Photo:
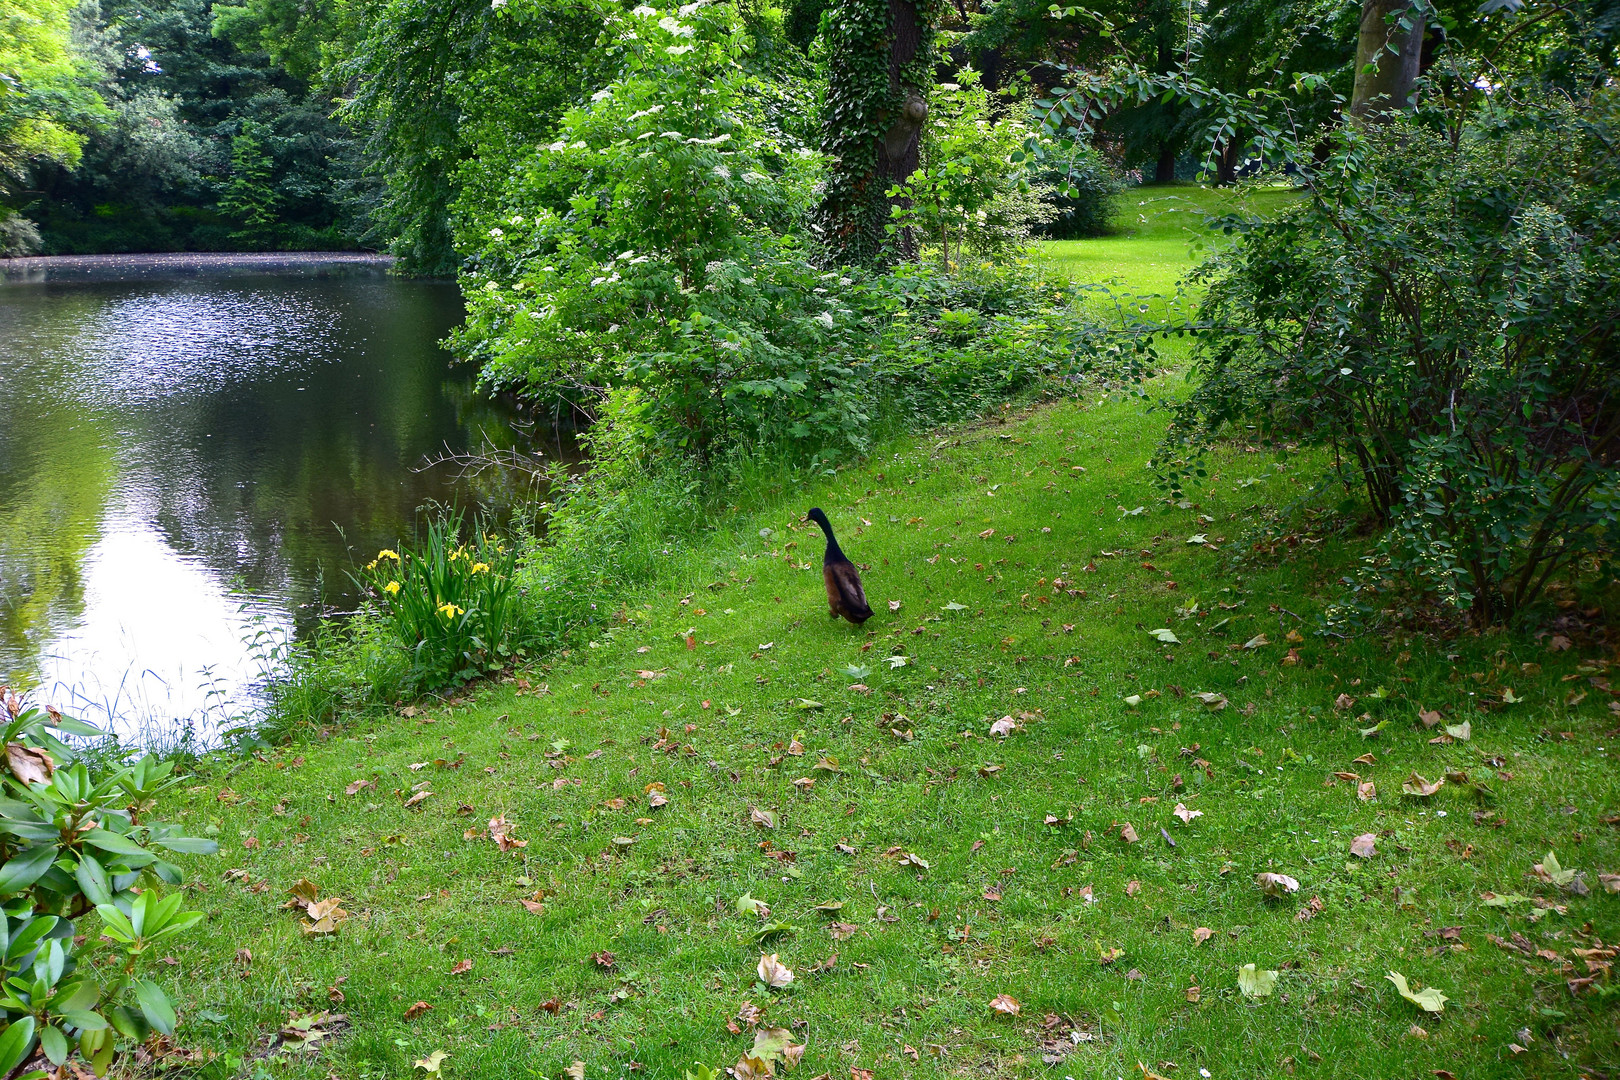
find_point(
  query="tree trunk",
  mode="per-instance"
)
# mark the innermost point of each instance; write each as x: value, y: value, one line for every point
x: 880, y: 73
x: 1388, y: 52
x: 901, y: 143
x: 1164, y: 171
x: 1226, y: 167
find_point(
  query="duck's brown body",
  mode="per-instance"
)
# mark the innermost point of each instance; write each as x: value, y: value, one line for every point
x: 844, y: 593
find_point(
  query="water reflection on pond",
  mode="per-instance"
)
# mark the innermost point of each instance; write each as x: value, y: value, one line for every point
x: 189, y: 449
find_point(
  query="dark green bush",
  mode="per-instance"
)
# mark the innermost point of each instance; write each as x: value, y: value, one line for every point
x: 1082, y: 188
x: 1440, y: 314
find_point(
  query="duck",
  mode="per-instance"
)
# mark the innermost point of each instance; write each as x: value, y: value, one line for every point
x: 844, y: 593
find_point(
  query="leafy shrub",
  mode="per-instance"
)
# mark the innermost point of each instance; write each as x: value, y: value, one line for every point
x: 450, y: 604
x: 342, y: 668
x: 18, y: 235
x: 971, y: 191
x: 1440, y: 314
x: 659, y: 263
x: 75, y: 837
x: 1082, y: 188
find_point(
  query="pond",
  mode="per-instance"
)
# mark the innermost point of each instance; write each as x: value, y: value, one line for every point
x: 195, y: 450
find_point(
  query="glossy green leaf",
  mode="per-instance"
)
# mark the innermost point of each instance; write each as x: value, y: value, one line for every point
x: 23, y: 870
x: 155, y: 1006
x: 15, y: 1044
x: 54, y: 1044
x: 23, y: 941
x: 107, y: 840
x: 85, y: 1019
x: 115, y: 923
x: 188, y: 845
x: 92, y: 879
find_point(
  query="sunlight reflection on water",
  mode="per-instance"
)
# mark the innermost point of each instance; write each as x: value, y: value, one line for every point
x: 186, y: 461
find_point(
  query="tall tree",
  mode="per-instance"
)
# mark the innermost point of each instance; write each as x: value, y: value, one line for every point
x: 45, y: 93
x: 1034, y: 36
x: 881, y: 67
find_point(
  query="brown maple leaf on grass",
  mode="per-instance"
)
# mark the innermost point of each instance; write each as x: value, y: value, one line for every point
x: 324, y: 916
x: 500, y: 831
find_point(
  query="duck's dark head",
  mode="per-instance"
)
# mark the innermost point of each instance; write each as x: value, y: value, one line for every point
x: 818, y: 517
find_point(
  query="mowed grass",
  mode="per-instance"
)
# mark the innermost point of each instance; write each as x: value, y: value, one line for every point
x: 1013, y: 575
x: 1159, y: 233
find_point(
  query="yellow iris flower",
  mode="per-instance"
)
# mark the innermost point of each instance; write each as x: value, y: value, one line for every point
x: 391, y: 588
x: 480, y: 568
x: 388, y: 553
x: 450, y: 611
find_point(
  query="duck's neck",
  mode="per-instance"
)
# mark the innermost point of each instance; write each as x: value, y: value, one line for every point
x: 834, y: 552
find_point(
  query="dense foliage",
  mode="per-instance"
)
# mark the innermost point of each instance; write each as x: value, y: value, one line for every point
x: 186, y: 126
x: 1441, y: 314
x: 449, y: 97
x: 76, y: 841
x: 971, y: 191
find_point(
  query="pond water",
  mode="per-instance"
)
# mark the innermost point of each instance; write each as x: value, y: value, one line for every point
x: 193, y: 453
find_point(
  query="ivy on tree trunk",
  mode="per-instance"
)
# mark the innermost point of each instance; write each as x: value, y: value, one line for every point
x: 882, y: 56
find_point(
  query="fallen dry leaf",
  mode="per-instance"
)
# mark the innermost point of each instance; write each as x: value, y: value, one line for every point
x: 1364, y: 846
x: 417, y: 1010
x: 1185, y: 814
x: 772, y: 972
x: 500, y: 831
x: 1005, y: 1003
x: 1004, y: 727
x: 1255, y: 982
x: 913, y: 860
x: 1366, y: 791
x: 1429, y: 999
x: 462, y: 967
x: 28, y: 764
x: 1202, y: 934
x: 1418, y: 786
x: 1276, y: 884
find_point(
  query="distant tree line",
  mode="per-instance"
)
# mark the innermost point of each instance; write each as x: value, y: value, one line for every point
x: 130, y: 125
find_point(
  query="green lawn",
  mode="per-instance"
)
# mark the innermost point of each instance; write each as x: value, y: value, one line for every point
x: 1017, y: 568
x: 1159, y: 234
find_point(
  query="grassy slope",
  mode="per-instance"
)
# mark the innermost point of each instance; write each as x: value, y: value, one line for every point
x: 929, y: 950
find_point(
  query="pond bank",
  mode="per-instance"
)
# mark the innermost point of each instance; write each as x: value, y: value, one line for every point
x: 586, y: 862
x: 181, y: 263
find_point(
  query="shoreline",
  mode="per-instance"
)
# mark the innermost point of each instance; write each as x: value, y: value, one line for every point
x: 36, y: 269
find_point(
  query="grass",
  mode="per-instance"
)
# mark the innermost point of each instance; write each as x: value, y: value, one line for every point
x: 714, y: 679
x: 1159, y: 234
